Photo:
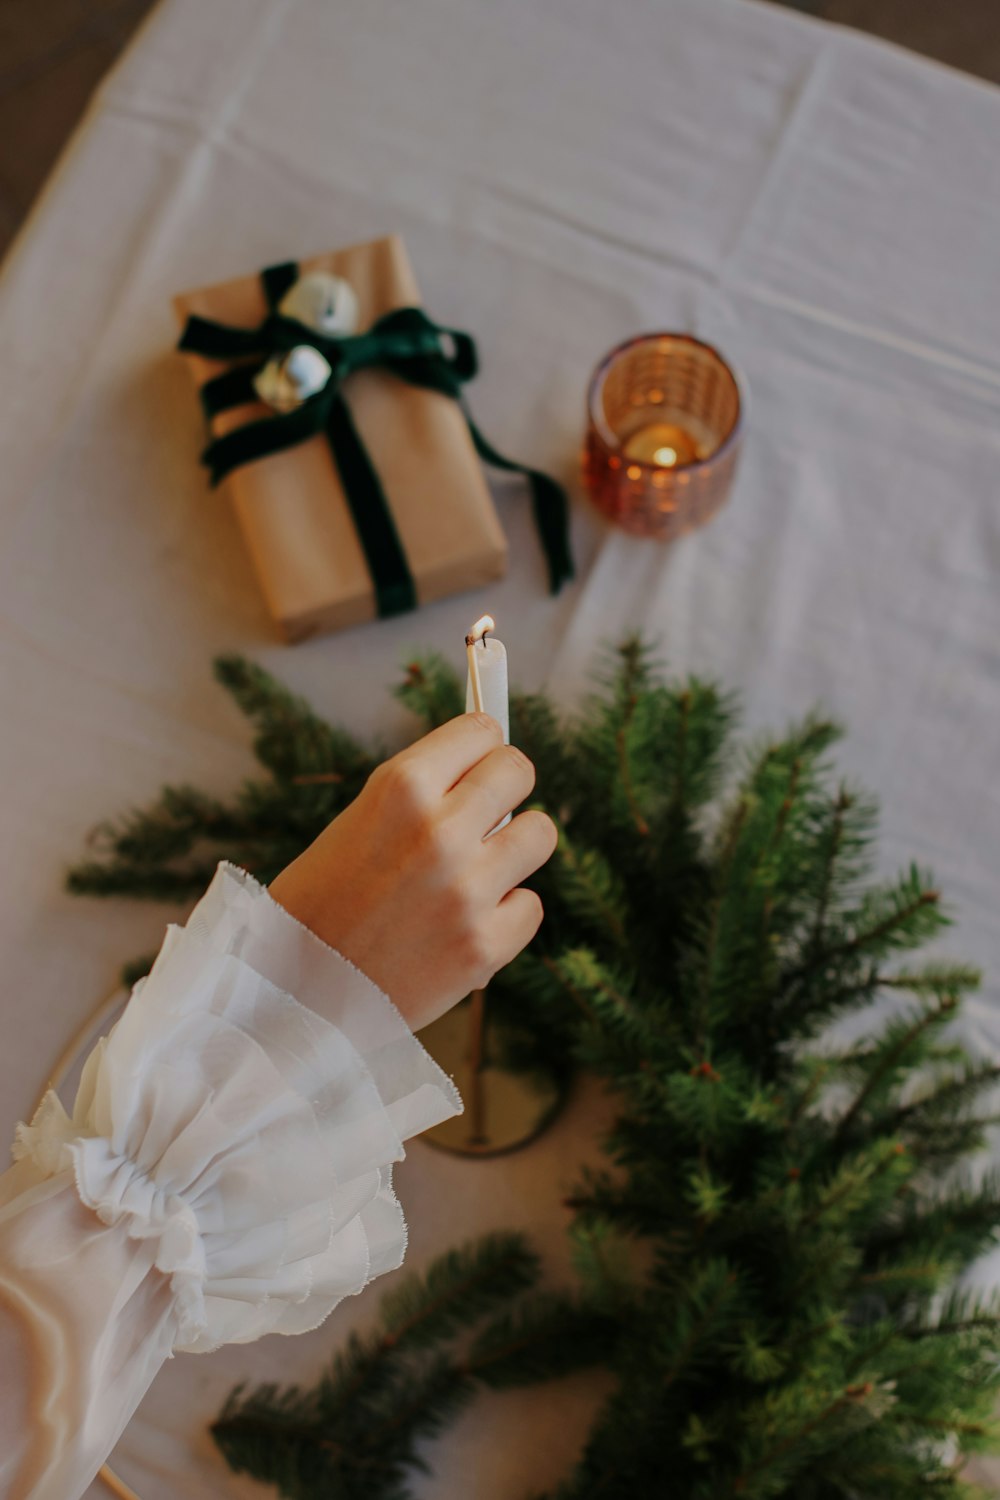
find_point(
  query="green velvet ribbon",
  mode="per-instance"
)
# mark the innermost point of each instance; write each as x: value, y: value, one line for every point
x: 407, y: 343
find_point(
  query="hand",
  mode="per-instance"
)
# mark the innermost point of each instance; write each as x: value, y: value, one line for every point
x: 405, y: 882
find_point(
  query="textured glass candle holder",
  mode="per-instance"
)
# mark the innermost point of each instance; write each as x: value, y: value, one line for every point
x: 665, y: 419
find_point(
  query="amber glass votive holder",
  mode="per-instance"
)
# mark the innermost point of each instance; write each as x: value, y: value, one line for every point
x: 665, y: 421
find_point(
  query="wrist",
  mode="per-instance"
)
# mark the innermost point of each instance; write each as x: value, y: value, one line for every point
x: 297, y: 896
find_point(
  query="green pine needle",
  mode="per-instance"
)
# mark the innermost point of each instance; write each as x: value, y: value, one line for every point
x: 458, y: 1290
x: 766, y: 1262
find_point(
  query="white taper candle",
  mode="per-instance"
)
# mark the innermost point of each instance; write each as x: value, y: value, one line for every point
x: 486, y: 686
x: 488, y: 664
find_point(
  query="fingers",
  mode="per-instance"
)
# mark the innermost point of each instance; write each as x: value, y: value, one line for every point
x: 493, y: 788
x: 436, y: 762
x: 518, y: 850
x: 517, y: 919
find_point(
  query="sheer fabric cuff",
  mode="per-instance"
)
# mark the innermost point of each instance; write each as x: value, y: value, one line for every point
x: 242, y: 1118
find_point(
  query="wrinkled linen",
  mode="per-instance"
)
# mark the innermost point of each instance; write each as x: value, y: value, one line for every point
x: 822, y: 207
x: 226, y: 1172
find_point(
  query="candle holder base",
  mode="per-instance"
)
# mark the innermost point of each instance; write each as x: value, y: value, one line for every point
x: 504, y: 1109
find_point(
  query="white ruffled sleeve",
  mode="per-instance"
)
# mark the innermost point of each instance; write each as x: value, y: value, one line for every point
x: 234, y: 1136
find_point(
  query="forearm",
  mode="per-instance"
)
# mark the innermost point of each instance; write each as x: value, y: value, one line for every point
x: 226, y: 1172
x: 85, y: 1323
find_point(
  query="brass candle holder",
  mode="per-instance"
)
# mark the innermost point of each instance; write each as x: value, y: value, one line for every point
x: 504, y: 1108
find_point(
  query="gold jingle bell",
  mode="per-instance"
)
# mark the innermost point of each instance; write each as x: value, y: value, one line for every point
x: 286, y: 382
x: 325, y: 303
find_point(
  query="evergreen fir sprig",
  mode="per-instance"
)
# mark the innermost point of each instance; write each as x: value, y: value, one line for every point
x: 169, y: 851
x: 767, y: 1259
x: 459, y: 1289
x: 360, y: 1429
x: 291, y: 740
x: 431, y: 690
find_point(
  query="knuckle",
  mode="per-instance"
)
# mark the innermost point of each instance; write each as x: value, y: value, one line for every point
x: 487, y: 724
x: 445, y: 840
x: 459, y: 909
x: 539, y: 832
x: 526, y: 921
x: 477, y: 952
x: 387, y: 773
x: 531, y: 915
x: 533, y: 911
x: 377, y: 777
x: 521, y: 761
x: 402, y: 782
x: 467, y: 921
x: 547, y: 826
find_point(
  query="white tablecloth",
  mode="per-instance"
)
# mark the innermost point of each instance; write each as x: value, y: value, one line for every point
x: 565, y: 173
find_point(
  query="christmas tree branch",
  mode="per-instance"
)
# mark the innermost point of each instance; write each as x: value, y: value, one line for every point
x: 723, y: 1289
x: 886, y: 927
x: 628, y: 789
x: 852, y: 1396
x: 831, y: 854
x: 888, y: 1061
x: 769, y: 1226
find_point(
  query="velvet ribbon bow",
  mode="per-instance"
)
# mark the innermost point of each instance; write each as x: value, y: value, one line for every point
x: 404, y: 341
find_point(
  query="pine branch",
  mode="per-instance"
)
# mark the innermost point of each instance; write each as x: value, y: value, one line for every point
x: 765, y: 1257
x: 591, y: 891
x: 863, y: 1183
x: 540, y: 1340
x: 934, y: 979
x: 714, y: 1289
x: 852, y: 1396
x: 291, y: 740
x: 727, y: 858
x: 900, y: 916
x: 625, y: 770
x: 536, y: 729
x: 457, y: 1290
x: 431, y: 689
x: 831, y: 854
x: 961, y: 1312
x: 889, y: 1060
x: 119, y: 878
x: 944, y: 1098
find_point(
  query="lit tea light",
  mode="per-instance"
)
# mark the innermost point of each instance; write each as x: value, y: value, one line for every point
x: 664, y: 427
x: 663, y: 443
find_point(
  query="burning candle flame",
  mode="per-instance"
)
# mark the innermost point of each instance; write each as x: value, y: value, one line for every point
x: 481, y: 628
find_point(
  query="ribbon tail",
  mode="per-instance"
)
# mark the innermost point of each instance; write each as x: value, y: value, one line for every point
x: 258, y: 439
x: 233, y: 388
x: 395, y: 591
x: 549, y: 503
x: 277, y: 280
x: 219, y: 340
x: 222, y: 340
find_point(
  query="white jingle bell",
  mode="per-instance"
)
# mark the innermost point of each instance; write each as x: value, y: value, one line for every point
x: 325, y: 303
x: 286, y: 383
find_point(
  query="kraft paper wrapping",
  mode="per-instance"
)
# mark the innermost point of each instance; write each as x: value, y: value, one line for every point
x: 291, y: 505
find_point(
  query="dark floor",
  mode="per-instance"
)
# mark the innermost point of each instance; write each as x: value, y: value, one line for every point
x: 54, y: 52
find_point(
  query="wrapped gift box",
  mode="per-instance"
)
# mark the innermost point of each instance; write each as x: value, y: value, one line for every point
x: 291, y: 505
